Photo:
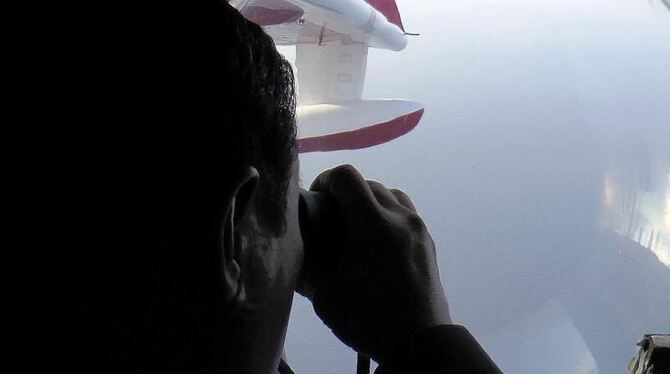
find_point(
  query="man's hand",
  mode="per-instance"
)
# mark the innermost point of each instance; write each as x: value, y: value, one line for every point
x: 385, y: 285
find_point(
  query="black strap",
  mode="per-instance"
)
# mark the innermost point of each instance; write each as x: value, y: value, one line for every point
x: 363, y: 364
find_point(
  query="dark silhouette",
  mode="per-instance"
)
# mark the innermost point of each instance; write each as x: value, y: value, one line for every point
x: 174, y: 217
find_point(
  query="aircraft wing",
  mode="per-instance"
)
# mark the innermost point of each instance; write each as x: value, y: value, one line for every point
x: 332, y: 38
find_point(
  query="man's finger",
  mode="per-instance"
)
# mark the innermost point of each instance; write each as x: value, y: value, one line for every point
x: 383, y: 194
x: 403, y: 199
x: 348, y: 187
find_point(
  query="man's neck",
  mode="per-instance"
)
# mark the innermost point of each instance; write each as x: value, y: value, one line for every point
x: 257, y: 341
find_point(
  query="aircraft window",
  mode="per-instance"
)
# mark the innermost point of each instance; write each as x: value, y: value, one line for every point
x: 541, y: 166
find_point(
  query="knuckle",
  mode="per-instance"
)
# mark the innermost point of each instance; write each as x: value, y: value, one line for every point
x: 344, y: 172
x: 400, y: 193
x: 341, y: 173
x: 415, y: 222
x: 344, y: 169
x: 375, y: 185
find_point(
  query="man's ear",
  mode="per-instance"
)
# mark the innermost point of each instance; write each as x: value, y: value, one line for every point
x: 237, y: 204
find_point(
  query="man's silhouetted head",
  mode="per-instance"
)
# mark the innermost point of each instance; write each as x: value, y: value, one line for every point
x: 181, y: 194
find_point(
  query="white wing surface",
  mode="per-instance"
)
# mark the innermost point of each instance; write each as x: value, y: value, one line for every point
x: 332, y: 38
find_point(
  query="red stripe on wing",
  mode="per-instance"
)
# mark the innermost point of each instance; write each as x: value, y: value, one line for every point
x: 263, y: 16
x: 389, y: 9
x: 362, y: 138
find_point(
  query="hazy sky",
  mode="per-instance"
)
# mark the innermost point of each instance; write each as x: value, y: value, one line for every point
x: 542, y: 168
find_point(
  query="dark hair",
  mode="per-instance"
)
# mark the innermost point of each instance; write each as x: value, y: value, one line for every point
x: 219, y: 80
x: 262, y: 114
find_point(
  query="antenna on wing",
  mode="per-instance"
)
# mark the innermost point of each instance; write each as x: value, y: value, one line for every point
x: 412, y: 34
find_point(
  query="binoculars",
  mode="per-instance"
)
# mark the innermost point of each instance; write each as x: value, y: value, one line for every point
x: 320, y: 228
x: 321, y: 224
